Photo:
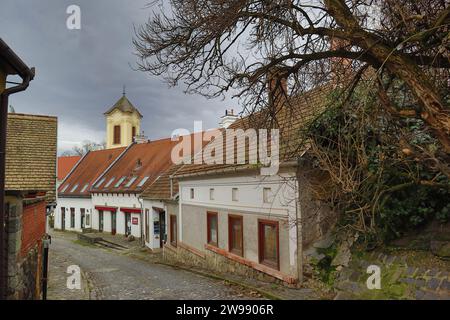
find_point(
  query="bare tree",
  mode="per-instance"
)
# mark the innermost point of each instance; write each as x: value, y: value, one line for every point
x: 85, y: 147
x: 217, y: 46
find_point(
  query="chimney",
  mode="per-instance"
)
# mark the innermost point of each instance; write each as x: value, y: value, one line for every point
x: 228, y: 119
x: 141, y: 138
x: 277, y: 87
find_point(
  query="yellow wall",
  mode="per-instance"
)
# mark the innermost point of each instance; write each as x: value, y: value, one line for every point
x: 126, y: 121
x: 2, y: 81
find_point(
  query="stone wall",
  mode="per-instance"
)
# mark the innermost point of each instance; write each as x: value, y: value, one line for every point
x: 403, y: 276
x: 24, y: 266
x: 213, y: 262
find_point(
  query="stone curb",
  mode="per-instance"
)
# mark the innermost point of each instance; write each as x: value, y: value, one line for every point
x: 267, y: 294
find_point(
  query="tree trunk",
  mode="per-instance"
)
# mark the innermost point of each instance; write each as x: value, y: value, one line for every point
x: 434, y: 113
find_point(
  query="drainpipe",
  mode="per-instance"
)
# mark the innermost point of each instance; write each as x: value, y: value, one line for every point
x: 27, y: 75
x: 298, y: 223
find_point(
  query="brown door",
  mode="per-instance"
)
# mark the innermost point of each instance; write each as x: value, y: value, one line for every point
x: 162, y: 228
x: 100, y: 221
x: 113, y: 223
x: 63, y: 219
x: 173, y: 230
x: 147, y: 225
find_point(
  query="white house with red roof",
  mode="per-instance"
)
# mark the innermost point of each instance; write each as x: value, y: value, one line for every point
x: 117, y: 207
x: 74, y: 207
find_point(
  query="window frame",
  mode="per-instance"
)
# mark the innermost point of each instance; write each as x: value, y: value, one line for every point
x: 230, y: 231
x: 209, y: 215
x: 191, y: 193
x: 261, y: 243
x: 234, y: 194
x: 211, y: 194
x: 268, y: 195
x: 117, y: 134
x: 72, y: 218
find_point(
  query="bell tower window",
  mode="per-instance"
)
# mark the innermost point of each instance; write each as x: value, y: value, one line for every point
x: 116, y: 135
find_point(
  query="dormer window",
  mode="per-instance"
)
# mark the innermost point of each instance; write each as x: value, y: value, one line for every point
x: 143, y: 181
x: 85, y: 187
x: 98, y: 184
x: 120, y: 182
x: 129, y: 183
x: 65, y: 188
x: 74, y: 188
x: 109, y: 182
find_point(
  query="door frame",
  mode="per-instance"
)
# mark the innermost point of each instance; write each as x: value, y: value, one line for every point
x: 63, y: 219
x: 113, y: 222
x: 101, y: 220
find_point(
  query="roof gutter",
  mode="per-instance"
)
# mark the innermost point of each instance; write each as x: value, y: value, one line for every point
x: 234, y: 169
x: 27, y: 74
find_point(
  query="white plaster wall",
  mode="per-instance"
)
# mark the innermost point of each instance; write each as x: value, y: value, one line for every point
x: 154, y: 240
x: 282, y: 203
x: 77, y: 203
x: 117, y: 200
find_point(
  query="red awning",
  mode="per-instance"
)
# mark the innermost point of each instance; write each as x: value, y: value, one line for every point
x: 131, y: 210
x: 104, y: 208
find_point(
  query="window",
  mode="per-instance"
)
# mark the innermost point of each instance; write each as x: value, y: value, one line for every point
x: 85, y: 187
x: 65, y: 188
x: 267, y: 194
x: 173, y: 230
x: 116, y: 135
x: 74, y: 188
x: 120, y: 182
x: 133, y: 132
x: 72, y: 218
x: 129, y: 183
x: 212, y: 228
x: 268, y: 239
x: 235, y: 235
x: 98, y: 184
x: 143, y: 181
x: 211, y: 194
x: 192, y: 193
x: 109, y: 182
x: 83, y: 217
x: 234, y: 194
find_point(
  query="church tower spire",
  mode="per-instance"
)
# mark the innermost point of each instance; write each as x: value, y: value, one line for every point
x: 123, y: 123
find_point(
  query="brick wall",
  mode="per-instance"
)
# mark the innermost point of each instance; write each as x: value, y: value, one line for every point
x: 33, y: 226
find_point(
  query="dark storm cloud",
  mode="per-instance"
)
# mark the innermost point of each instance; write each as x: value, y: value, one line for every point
x: 80, y: 73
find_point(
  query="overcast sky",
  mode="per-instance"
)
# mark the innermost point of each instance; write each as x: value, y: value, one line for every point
x: 80, y: 73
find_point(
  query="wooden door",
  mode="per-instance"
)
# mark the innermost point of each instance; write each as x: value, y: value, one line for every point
x: 113, y: 223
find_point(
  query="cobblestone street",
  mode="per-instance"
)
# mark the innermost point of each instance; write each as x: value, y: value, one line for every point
x: 107, y: 274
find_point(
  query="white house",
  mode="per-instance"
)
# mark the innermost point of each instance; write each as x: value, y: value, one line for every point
x: 74, y: 209
x: 236, y: 218
x: 117, y: 207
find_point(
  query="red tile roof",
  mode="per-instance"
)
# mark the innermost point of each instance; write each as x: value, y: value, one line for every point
x: 88, y: 169
x: 65, y: 164
x: 141, y: 161
x: 162, y: 188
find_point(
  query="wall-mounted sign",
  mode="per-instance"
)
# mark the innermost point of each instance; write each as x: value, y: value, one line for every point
x: 135, y: 221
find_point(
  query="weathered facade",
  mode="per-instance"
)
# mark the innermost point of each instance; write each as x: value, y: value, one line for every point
x: 233, y: 218
x: 30, y: 191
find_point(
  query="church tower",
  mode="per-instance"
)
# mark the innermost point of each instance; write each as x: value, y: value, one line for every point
x: 123, y: 123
